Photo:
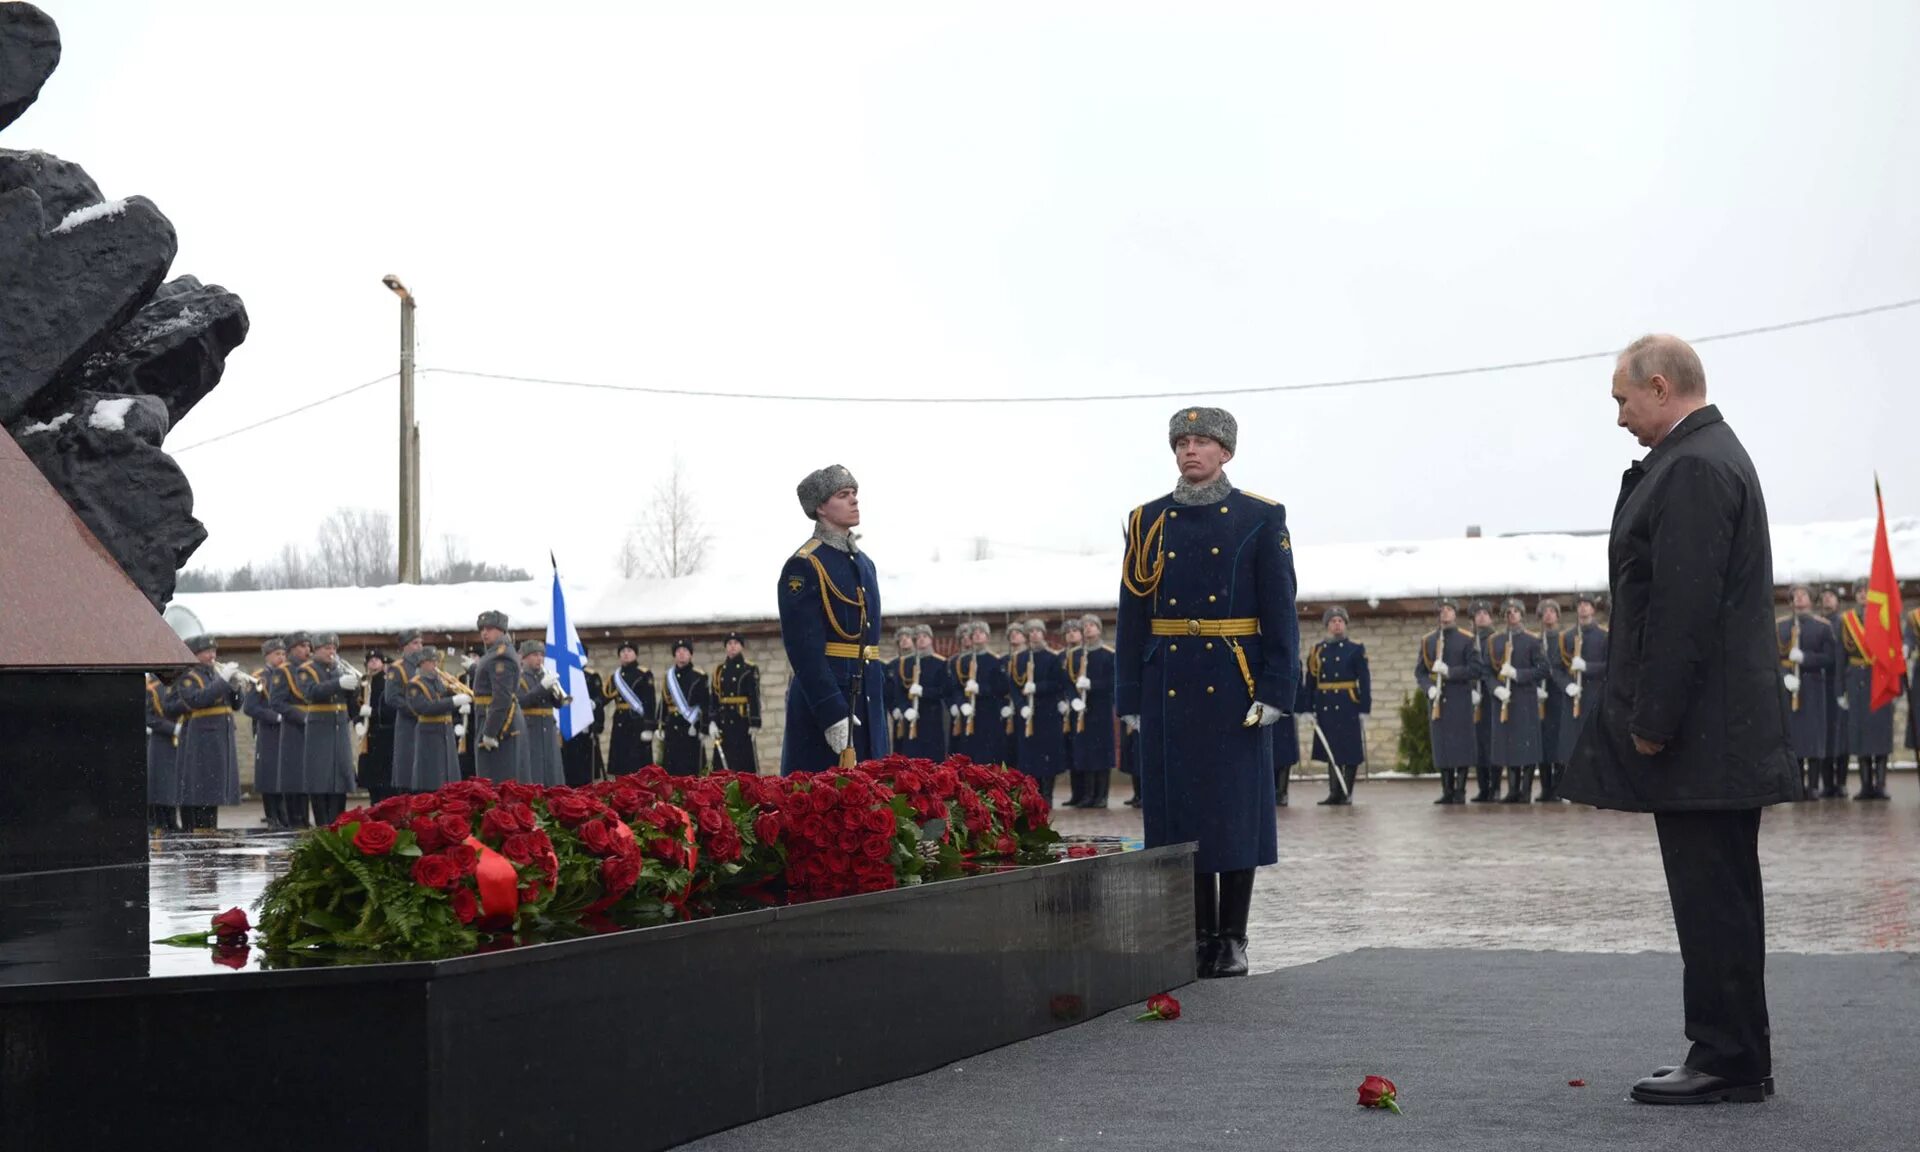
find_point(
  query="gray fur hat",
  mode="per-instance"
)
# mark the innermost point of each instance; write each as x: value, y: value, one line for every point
x: 981, y: 628
x: 201, y: 643
x: 296, y: 639
x: 1547, y: 603
x: 1332, y: 611
x: 326, y: 640
x: 1071, y: 624
x: 1217, y: 423
x: 529, y: 647
x: 423, y: 654
x: 407, y: 637
x: 494, y: 619
x: 821, y: 485
x: 1016, y: 627
x: 923, y: 630
x: 1036, y: 625
x: 272, y: 644
x: 1091, y: 619
x: 1514, y: 604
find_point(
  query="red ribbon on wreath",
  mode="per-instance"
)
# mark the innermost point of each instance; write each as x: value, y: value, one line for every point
x: 498, y: 882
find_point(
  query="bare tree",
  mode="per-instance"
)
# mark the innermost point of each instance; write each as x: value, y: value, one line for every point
x: 454, y: 567
x: 357, y: 549
x: 668, y: 538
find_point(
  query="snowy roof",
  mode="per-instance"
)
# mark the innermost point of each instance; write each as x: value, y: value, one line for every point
x: 1836, y: 551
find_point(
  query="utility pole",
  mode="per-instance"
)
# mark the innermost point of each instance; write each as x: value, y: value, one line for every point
x: 409, y: 442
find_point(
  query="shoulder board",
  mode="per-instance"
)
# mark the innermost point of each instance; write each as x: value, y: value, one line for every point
x: 1262, y: 499
x: 1464, y: 632
x: 643, y: 671
x: 807, y: 548
x: 1602, y: 627
x: 751, y: 664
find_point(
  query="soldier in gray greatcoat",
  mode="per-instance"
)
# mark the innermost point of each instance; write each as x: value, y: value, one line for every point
x: 1869, y: 730
x: 393, y: 693
x: 500, y: 731
x: 435, y: 706
x: 539, y: 693
x: 1446, y: 671
x: 1486, y: 778
x: 1807, y: 652
x: 324, y: 688
x: 291, y: 753
x: 1517, y: 664
x: 204, y: 698
x: 266, y: 733
x: 163, y: 761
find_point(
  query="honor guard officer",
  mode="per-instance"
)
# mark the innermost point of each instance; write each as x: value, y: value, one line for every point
x: 830, y: 625
x: 1207, y: 660
x: 1869, y: 730
x: 539, y: 692
x: 1580, y: 671
x: 580, y: 753
x: 467, y: 743
x: 916, y: 698
x: 635, y: 707
x: 394, y: 692
x: 291, y: 754
x: 1552, y: 693
x: 980, y: 680
x: 499, y: 730
x: 376, y: 727
x: 736, y: 694
x: 204, y: 698
x: 936, y: 681
x: 1040, y: 688
x: 1834, y: 772
x: 1093, y: 716
x: 163, y: 760
x: 1447, y: 671
x: 685, y: 717
x: 1518, y: 662
x: 1339, y: 690
x: 1911, y: 632
x: 962, y: 644
x: 324, y: 687
x: 1807, y: 657
x: 1079, y: 782
x: 435, y: 704
x: 1487, y: 783
x: 255, y: 704
x: 1010, y: 709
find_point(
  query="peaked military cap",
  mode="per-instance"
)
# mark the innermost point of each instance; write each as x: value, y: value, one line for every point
x: 296, y: 639
x: 1480, y: 606
x: 1593, y: 598
x: 1332, y: 611
x: 820, y: 485
x: 1217, y: 423
x: 627, y: 646
x: 326, y: 640
x: 492, y: 620
x: 529, y: 647
x: 376, y: 654
x: 201, y: 643
x: 736, y: 638
x: 272, y: 644
x: 424, y: 653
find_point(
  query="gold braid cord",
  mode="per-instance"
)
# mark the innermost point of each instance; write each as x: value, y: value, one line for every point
x: 1140, y: 574
x: 827, y: 589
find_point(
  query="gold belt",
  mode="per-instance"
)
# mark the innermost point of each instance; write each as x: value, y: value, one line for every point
x: 853, y: 651
x: 1859, y: 662
x: 536, y: 711
x: 198, y: 713
x: 320, y: 707
x: 736, y: 701
x: 622, y: 706
x: 1339, y: 685
x: 483, y: 699
x: 1233, y: 626
x: 434, y: 719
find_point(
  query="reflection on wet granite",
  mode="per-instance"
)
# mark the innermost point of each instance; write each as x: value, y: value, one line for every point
x: 73, y: 770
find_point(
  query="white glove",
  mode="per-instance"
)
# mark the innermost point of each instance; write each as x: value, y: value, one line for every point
x: 897, y: 714
x: 349, y: 681
x: 1579, y: 664
x: 489, y: 744
x: 459, y: 730
x: 152, y: 731
x: 966, y: 709
x: 1508, y: 672
x: 1797, y: 656
x: 713, y: 730
x: 1503, y: 693
x: 914, y: 691
x: 462, y: 701
x: 1476, y: 696
x: 1079, y: 705
x: 1574, y: 690
x: 275, y: 717
x: 1439, y: 668
x: 359, y: 728
x: 973, y: 687
x: 1262, y: 714
x: 1030, y: 688
x: 1006, y: 712
x: 1844, y: 705
x: 1130, y: 723
x: 549, y: 678
x: 1792, y: 682
x: 953, y: 709
x: 650, y: 735
x: 910, y: 715
x: 467, y: 662
x: 1026, y: 711
x: 1062, y: 705
x: 1083, y: 684
x: 1541, y: 691
x: 1433, y: 692
x: 366, y: 710
x: 837, y: 736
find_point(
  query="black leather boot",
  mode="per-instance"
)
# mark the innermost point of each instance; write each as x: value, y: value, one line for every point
x: 1236, y: 903
x: 1880, y: 778
x: 1513, y: 785
x: 1206, y: 922
x: 1526, y: 786
x: 1484, y: 786
x: 1100, y: 783
x: 1282, y: 780
x: 1446, y: 786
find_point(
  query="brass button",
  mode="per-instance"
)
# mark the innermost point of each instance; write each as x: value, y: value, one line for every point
x: 1171, y: 692
x: 1209, y: 645
x: 1171, y: 555
x: 1173, y: 647
x: 1211, y: 599
x: 1223, y: 509
x: 1209, y: 689
x: 1175, y: 515
x: 1216, y: 551
x: 1170, y: 600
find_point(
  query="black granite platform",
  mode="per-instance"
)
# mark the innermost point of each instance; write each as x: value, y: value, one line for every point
x: 649, y: 1037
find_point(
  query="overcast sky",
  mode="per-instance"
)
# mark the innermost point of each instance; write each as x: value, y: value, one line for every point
x: 1001, y: 200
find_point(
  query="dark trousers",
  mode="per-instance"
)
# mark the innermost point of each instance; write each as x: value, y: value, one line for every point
x: 1712, y: 861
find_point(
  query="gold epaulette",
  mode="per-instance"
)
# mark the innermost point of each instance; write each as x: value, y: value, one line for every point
x: 1464, y: 632
x: 1257, y: 496
x: 807, y: 548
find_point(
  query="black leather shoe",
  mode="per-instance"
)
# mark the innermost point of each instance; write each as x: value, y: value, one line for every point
x: 1328, y: 800
x: 1232, y: 959
x: 1206, y: 954
x: 1670, y: 1069
x: 1684, y: 1085
x: 1134, y: 801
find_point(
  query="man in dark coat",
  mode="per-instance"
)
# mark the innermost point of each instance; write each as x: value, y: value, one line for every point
x: 736, y: 708
x: 686, y: 705
x: 394, y: 699
x: 1447, y: 670
x: 635, y: 712
x: 499, y: 734
x: 1338, y: 692
x: 266, y: 733
x: 1833, y: 775
x: 1692, y: 725
x: 163, y: 760
x: 979, y: 731
x: 1207, y: 661
x: 203, y: 699
x: 375, y: 729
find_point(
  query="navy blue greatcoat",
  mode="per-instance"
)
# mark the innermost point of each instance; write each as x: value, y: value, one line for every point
x: 1339, y: 690
x: 1517, y: 722
x: 1450, y: 723
x: 830, y: 597
x: 1093, y: 747
x: 1041, y: 742
x: 981, y: 737
x: 1195, y: 570
x: 1808, y: 727
x: 1869, y: 733
x: 924, y: 736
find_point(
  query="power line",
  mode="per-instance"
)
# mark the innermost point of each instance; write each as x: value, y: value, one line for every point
x: 282, y: 416
x: 1309, y: 386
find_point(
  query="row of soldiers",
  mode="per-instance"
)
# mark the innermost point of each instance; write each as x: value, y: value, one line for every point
x: 1827, y: 677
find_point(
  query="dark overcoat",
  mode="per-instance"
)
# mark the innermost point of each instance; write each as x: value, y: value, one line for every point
x: 163, y: 749
x: 1869, y: 732
x: 1339, y: 690
x: 1695, y: 669
x: 326, y: 757
x: 630, y: 749
x: 1808, y: 727
x: 1093, y: 728
x: 982, y: 736
x: 1450, y: 722
x: 203, y: 704
x: 436, y: 757
x: 1517, y: 721
x: 830, y: 627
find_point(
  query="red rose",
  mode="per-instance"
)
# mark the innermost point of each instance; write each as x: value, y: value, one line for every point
x: 232, y: 955
x: 423, y: 802
x: 838, y: 861
x: 435, y: 871
x: 1379, y: 1092
x: 618, y: 874
x: 426, y: 833
x: 375, y: 838
x: 725, y: 847
x: 822, y: 799
x: 454, y: 829
x: 571, y: 809
x: 455, y: 806
x: 521, y: 848
x: 1006, y: 846
x: 465, y: 907
x: 498, y: 824
x: 766, y: 827
x: 519, y: 793
x: 530, y: 893
x: 231, y: 924
x: 712, y: 820
x: 1081, y: 851
x: 597, y: 837
x: 1160, y: 1006
x: 524, y: 817
x: 625, y: 801
x: 463, y: 857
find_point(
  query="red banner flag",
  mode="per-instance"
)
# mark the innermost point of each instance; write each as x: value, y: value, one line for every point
x: 1883, y: 611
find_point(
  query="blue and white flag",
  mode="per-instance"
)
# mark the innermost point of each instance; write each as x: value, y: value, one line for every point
x: 567, y: 658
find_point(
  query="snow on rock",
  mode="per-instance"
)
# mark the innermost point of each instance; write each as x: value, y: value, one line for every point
x: 110, y: 415
x: 89, y: 214
x: 1352, y: 573
x: 52, y: 425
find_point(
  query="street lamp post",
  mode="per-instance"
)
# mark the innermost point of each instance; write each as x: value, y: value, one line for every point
x: 409, y: 442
